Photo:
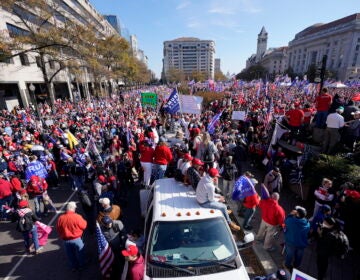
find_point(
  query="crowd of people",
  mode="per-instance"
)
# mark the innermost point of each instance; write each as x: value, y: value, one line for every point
x: 106, y: 147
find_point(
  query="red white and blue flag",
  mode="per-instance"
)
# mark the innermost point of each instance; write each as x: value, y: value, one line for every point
x: 106, y: 256
x: 211, y: 126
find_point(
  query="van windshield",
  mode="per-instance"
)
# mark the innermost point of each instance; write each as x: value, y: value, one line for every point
x: 196, y: 242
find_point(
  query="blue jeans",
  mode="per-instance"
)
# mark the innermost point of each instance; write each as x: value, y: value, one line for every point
x: 217, y: 205
x: 75, y: 251
x: 320, y: 119
x: 293, y: 255
x: 78, y: 182
x: 248, y: 214
x: 37, y: 200
x: 34, y: 237
x: 158, y: 171
x: 5, y: 201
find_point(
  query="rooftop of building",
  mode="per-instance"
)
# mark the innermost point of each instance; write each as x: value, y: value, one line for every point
x: 323, y: 26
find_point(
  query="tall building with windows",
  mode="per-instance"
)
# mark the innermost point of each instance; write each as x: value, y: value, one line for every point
x: 20, y: 74
x: 217, y: 65
x: 339, y: 40
x: 114, y: 21
x: 189, y: 55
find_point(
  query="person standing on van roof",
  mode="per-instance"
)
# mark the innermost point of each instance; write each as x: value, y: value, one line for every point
x: 194, y: 172
x: 205, y: 195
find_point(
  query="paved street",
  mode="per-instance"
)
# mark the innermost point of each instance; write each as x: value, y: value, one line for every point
x: 52, y: 262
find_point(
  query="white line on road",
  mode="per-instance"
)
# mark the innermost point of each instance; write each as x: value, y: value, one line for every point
x: 50, y: 223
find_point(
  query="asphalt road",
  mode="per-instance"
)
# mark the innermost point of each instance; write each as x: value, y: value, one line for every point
x: 51, y: 263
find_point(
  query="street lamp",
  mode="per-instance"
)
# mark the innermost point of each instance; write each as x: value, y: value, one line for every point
x: 32, y: 89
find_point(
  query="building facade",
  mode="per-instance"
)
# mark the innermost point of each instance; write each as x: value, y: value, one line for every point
x: 339, y: 40
x: 275, y: 60
x: 114, y: 21
x: 21, y: 73
x: 217, y: 65
x: 189, y: 55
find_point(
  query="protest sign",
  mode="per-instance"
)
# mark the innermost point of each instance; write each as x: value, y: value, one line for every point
x: 238, y: 115
x: 149, y: 99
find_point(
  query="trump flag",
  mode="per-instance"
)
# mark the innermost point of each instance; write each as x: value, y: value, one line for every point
x: 243, y: 187
x: 173, y: 103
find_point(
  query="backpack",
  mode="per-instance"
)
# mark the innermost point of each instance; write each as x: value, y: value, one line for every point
x: 25, y: 223
x: 341, y: 243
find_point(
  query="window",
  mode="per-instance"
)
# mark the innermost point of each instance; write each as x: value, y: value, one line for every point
x: 16, y: 31
x: 38, y: 61
x: 51, y: 64
x: 357, y: 47
x: 24, y: 59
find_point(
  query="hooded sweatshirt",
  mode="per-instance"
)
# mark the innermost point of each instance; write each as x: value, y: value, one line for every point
x: 297, y: 230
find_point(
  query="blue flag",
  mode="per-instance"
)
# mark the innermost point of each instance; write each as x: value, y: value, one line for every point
x: 173, y: 103
x: 211, y: 125
x: 243, y: 187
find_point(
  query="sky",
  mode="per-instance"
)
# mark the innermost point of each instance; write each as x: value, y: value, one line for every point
x: 233, y: 24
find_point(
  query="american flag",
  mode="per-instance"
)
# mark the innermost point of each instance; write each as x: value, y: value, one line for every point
x: 269, y: 114
x: 106, y: 256
x: 211, y: 126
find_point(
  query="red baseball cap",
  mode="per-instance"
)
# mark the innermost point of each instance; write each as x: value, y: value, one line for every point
x: 197, y: 161
x: 187, y: 156
x: 23, y: 203
x: 132, y: 250
x: 102, y: 179
x: 213, y: 172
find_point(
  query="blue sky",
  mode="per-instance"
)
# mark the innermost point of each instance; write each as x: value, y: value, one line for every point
x: 232, y: 24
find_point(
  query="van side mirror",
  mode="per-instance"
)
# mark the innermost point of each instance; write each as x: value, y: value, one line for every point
x: 247, y: 241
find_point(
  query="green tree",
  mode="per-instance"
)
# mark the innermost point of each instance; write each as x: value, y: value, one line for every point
x: 219, y: 76
x: 174, y: 75
x: 256, y: 71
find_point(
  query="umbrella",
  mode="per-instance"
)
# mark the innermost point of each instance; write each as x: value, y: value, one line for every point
x: 356, y: 97
x: 37, y: 148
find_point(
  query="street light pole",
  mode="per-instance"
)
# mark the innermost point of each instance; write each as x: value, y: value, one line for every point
x: 32, y: 89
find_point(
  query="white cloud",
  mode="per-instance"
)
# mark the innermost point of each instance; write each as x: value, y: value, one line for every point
x: 221, y: 11
x: 182, y: 5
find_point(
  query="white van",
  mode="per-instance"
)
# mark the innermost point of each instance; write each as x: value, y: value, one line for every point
x: 184, y: 240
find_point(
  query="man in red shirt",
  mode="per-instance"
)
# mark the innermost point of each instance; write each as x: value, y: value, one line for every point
x: 70, y: 227
x: 5, y: 195
x: 295, y: 118
x: 162, y: 157
x: 323, y: 102
x: 272, y: 217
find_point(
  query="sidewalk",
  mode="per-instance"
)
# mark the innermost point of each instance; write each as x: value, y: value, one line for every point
x: 347, y: 269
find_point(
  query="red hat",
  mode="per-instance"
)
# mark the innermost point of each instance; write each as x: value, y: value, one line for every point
x: 82, y: 150
x: 23, y: 203
x: 153, y: 122
x: 34, y: 178
x: 187, y: 156
x: 213, y: 172
x: 132, y: 250
x: 50, y: 145
x: 197, y: 161
x: 197, y: 130
x: 102, y: 179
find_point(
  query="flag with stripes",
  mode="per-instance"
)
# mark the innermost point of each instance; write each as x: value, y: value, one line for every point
x: 106, y: 256
x: 269, y: 114
x: 211, y: 125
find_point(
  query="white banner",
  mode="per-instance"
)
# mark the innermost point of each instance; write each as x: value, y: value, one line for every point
x: 238, y: 115
x: 190, y: 104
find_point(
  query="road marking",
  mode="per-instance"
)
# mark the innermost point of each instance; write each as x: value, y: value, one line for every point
x: 50, y: 223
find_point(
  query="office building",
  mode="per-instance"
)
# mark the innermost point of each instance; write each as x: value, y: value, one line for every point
x: 217, y: 65
x: 339, y: 40
x: 189, y: 55
x: 21, y: 73
x: 114, y: 21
